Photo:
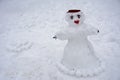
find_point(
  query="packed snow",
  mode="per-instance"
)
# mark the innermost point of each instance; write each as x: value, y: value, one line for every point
x: 28, y: 51
x: 79, y: 58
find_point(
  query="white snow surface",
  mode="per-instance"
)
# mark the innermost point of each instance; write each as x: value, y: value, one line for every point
x: 28, y: 51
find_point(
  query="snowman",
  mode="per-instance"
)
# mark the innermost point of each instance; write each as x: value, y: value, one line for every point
x: 79, y: 58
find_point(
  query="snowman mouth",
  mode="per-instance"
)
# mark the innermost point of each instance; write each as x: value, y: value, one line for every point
x: 76, y: 21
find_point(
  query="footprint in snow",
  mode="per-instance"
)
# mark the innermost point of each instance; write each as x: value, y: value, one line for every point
x: 18, y: 47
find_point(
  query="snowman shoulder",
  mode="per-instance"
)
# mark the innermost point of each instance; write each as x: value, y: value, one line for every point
x: 62, y: 34
x: 83, y: 28
x: 87, y: 26
x: 90, y: 30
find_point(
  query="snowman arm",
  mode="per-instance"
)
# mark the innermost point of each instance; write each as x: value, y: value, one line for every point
x: 92, y: 30
x: 61, y: 35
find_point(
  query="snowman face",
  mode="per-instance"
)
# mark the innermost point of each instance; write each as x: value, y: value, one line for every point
x: 75, y: 19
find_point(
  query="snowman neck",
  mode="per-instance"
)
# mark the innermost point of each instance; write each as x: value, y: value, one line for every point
x: 76, y: 25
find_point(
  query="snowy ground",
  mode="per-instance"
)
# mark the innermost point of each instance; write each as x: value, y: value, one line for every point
x: 27, y: 50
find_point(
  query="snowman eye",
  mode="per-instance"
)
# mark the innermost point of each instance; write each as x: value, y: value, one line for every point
x: 78, y: 16
x: 71, y: 17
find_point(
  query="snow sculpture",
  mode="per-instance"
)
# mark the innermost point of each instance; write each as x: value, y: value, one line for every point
x: 79, y: 58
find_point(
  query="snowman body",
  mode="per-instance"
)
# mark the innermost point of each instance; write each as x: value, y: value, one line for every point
x: 79, y: 57
x: 78, y: 52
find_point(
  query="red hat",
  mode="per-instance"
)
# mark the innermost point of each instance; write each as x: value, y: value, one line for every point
x: 73, y: 11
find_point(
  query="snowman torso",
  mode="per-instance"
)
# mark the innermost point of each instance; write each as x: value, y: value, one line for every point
x: 78, y: 52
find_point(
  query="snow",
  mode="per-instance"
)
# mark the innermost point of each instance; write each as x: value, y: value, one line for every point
x: 28, y: 51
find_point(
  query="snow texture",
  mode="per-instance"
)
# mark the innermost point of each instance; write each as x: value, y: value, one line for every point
x: 28, y: 51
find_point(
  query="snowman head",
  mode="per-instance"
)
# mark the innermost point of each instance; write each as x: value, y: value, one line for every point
x: 74, y: 17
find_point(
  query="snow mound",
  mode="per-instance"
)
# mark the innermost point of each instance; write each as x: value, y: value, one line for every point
x: 80, y: 72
